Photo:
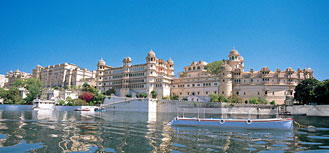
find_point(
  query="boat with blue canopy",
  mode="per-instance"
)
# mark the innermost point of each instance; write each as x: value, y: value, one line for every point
x: 248, y: 123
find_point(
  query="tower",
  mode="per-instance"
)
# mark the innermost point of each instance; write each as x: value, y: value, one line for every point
x: 171, y: 67
x: 235, y: 60
x: 225, y: 87
x: 151, y: 71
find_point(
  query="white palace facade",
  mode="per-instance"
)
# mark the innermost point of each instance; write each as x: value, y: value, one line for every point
x: 196, y: 84
x: 156, y: 74
x: 63, y: 75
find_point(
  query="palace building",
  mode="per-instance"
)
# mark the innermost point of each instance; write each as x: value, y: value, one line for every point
x: 156, y: 74
x: 196, y: 84
x: 63, y: 75
x: 13, y: 76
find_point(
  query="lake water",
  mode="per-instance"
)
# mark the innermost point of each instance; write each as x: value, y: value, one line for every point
x: 47, y: 131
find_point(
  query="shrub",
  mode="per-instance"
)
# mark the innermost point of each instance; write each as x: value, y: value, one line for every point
x: 61, y: 102
x: 184, y: 99
x: 109, y: 92
x: 227, y: 100
x: 272, y: 102
x: 141, y: 95
x: 253, y: 100
x: 165, y: 97
x: 87, y: 96
x: 128, y: 95
x: 154, y: 94
x: 214, y: 98
x: 175, y: 97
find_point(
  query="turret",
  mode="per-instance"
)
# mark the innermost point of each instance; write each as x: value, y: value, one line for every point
x: 171, y: 67
x: 226, y: 80
x: 101, y: 63
x: 235, y: 60
x: 126, y: 61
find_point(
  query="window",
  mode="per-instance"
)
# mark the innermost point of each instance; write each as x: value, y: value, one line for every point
x: 237, y: 92
x: 244, y: 93
x: 258, y: 93
x: 206, y: 92
x: 198, y: 93
x: 265, y: 92
x: 222, y: 92
x: 198, y: 67
x: 188, y: 93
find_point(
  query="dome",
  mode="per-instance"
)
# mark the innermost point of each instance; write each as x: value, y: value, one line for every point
x: 101, y: 62
x: 17, y: 70
x: 127, y: 60
x: 170, y: 61
x: 151, y: 53
x: 234, y: 52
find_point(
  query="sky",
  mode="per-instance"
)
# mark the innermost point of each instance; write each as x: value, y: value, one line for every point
x: 272, y: 33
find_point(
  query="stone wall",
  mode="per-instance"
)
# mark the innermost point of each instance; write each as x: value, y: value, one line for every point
x: 310, y: 110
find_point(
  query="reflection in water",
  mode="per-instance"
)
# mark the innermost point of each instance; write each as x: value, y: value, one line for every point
x: 49, y: 131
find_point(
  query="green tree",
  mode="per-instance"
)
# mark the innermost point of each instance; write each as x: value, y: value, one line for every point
x: 321, y: 92
x: 4, y: 94
x: 214, y: 67
x: 88, y: 88
x: 214, y: 98
x: 154, y: 94
x: 34, y: 88
x: 304, y: 92
x: 14, y: 95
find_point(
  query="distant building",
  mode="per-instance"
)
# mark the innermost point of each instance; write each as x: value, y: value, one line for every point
x: 156, y: 74
x: 196, y: 84
x: 63, y: 75
x: 13, y: 76
x: 3, y: 80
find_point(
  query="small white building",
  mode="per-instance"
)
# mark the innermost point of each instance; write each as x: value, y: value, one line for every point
x: 3, y: 80
x: 53, y: 94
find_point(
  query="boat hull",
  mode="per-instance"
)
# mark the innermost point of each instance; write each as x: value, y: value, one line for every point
x: 286, y: 124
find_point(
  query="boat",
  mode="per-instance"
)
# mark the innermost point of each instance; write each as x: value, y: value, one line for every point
x: 100, y: 109
x: 275, y: 123
x: 40, y: 104
x: 79, y: 109
x: 248, y: 123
